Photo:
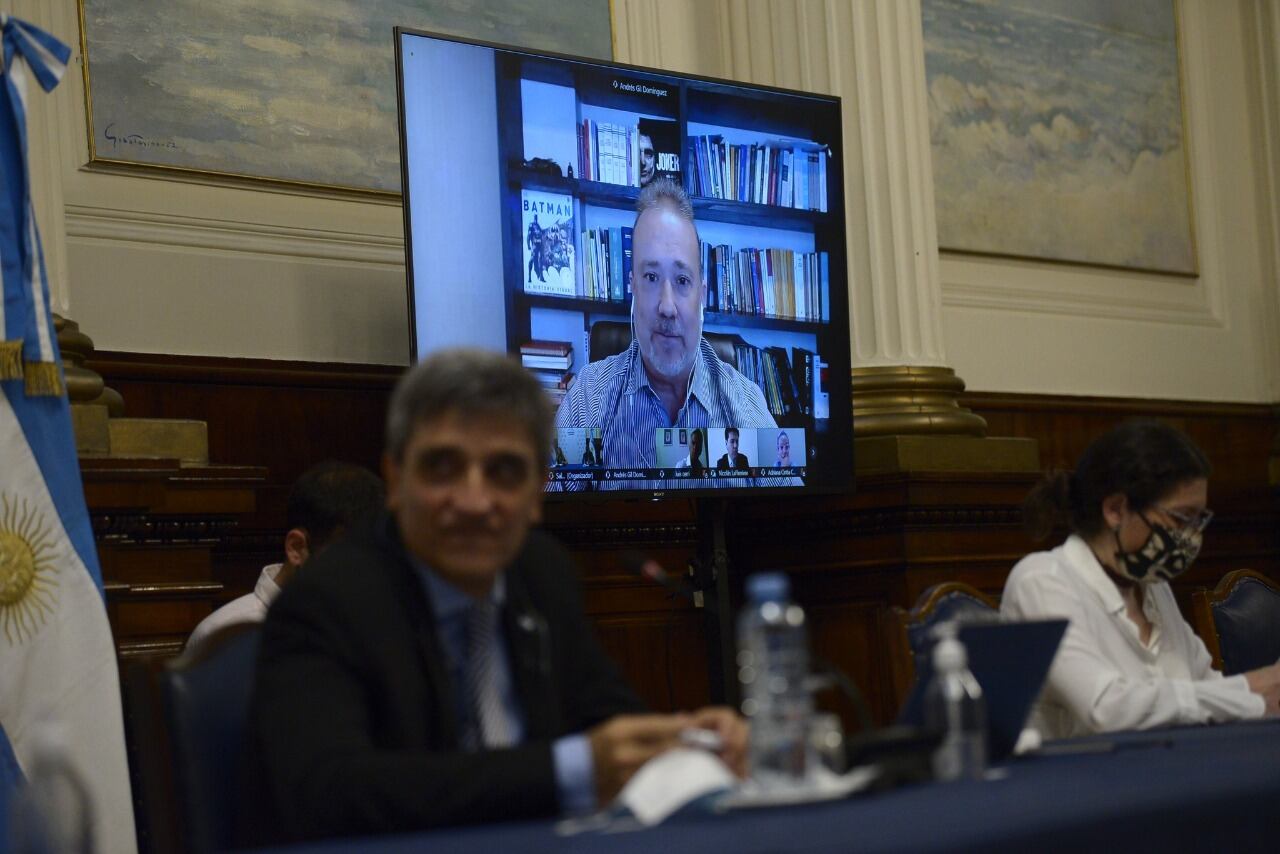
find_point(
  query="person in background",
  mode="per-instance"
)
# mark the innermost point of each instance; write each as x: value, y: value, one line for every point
x: 732, y: 459
x: 325, y: 501
x: 557, y: 454
x: 438, y: 668
x: 693, y: 460
x: 1136, y: 508
x: 784, y: 451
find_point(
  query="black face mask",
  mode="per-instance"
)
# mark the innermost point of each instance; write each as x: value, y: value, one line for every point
x: 1166, y: 554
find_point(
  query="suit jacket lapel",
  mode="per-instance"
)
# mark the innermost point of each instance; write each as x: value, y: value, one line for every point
x: 529, y: 651
x: 423, y: 628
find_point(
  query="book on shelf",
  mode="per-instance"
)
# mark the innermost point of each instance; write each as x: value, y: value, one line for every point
x: 771, y: 172
x: 802, y: 366
x: 607, y: 272
x: 552, y: 379
x: 659, y: 150
x: 547, y: 226
x: 781, y: 283
x: 542, y: 347
x: 821, y: 400
x: 615, y: 264
x: 626, y: 260
x: 547, y: 363
x: 770, y: 369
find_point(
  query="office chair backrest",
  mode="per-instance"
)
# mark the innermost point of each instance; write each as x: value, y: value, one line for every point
x: 906, y: 633
x: 952, y: 600
x: 1245, y: 607
x: 206, y: 698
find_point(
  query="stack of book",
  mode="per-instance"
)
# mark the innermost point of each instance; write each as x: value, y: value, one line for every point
x: 550, y: 362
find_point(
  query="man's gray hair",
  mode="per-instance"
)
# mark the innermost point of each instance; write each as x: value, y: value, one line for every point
x: 468, y: 382
x: 665, y: 191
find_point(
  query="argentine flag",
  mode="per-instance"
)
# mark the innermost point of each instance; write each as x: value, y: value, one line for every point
x: 57, y: 659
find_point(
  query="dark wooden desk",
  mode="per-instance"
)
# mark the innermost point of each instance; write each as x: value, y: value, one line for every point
x: 1204, y: 788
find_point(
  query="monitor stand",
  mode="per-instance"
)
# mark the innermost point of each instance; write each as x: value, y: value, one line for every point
x: 711, y: 581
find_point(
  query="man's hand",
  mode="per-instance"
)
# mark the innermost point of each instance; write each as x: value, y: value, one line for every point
x: 733, y: 732
x: 620, y: 745
x: 1266, y: 682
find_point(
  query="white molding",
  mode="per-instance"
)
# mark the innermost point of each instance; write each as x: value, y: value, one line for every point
x: 1056, y: 290
x: 155, y: 229
x: 1042, y: 287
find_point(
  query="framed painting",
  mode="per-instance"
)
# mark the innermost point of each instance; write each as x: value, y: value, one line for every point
x: 298, y: 92
x: 1057, y: 131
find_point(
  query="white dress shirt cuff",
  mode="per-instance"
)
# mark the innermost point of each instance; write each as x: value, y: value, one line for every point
x: 575, y: 774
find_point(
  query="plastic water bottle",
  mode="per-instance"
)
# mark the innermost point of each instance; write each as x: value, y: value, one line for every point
x: 773, y: 661
x: 955, y: 707
x: 51, y: 812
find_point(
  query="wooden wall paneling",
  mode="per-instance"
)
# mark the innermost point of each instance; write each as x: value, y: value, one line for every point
x: 657, y: 637
x: 158, y: 525
x: 286, y: 415
x: 851, y: 557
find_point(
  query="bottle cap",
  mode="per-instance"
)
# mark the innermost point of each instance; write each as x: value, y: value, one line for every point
x: 768, y: 587
x: 949, y: 656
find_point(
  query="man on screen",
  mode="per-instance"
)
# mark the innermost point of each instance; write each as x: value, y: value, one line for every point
x: 731, y: 459
x: 669, y: 376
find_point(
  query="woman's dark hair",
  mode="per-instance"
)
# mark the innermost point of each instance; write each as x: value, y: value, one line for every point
x: 1143, y: 459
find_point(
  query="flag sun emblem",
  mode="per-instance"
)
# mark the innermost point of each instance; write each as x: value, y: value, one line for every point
x: 26, y: 571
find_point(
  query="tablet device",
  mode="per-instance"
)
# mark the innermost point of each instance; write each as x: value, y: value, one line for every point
x: 1010, y: 662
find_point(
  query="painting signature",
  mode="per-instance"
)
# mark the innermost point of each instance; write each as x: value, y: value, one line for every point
x: 135, y: 139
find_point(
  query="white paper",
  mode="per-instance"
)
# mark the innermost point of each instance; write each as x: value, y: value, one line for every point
x: 671, y: 780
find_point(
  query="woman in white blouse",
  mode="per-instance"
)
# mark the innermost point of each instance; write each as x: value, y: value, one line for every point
x: 1136, y: 508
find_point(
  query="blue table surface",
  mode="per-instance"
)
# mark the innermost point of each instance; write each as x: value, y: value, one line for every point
x: 1169, y: 789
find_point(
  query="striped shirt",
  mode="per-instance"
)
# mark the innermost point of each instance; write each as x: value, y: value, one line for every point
x: 615, y: 396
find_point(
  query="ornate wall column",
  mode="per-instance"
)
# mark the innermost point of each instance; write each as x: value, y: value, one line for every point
x: 1267, y: 44
x: 871, y: 54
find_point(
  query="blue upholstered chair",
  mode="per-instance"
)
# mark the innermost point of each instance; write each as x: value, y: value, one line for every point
x: 206, y: 702
x: 909, y: 630
x: 1239, y: 621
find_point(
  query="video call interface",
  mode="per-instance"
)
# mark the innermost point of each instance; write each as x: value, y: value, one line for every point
x: 737, y: 456
x: 545, y: 157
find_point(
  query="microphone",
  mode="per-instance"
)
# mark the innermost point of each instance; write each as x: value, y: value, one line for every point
x: 650, y: 570
x: 827, y: 676
x: 902, y: 752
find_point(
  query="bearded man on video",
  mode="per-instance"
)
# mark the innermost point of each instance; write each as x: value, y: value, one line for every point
x: 669, y: 376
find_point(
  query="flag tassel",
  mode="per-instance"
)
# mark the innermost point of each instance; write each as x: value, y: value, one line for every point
x: 43, y: 379
x: 10, y: 360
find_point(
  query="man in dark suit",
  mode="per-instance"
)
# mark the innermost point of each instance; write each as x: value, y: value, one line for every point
x: 438, y: 669
x: 731, y: 459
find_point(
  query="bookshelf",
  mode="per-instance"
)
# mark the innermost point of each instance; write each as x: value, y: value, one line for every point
x: 575, y: 138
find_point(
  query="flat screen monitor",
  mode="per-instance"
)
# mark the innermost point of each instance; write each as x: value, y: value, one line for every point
x: 700, y: 349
